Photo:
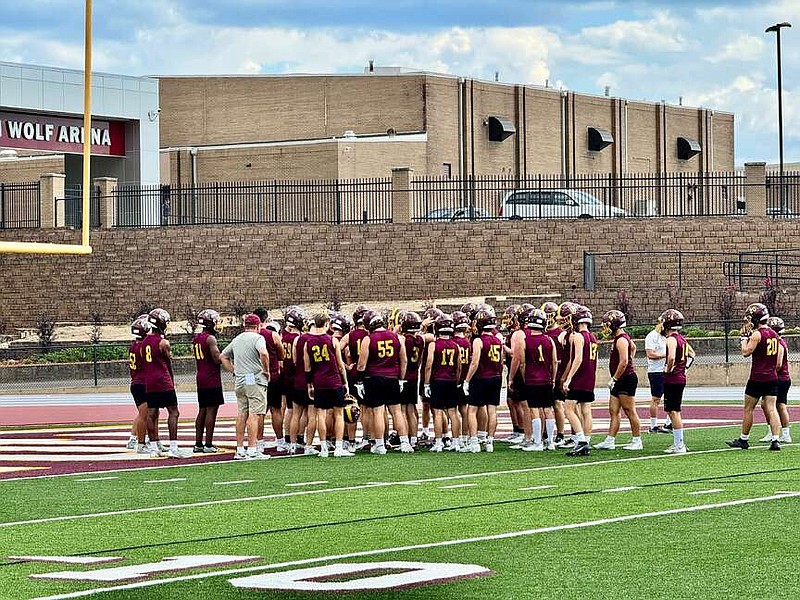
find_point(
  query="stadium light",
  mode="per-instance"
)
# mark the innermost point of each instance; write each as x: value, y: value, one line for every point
x: 776, y: 29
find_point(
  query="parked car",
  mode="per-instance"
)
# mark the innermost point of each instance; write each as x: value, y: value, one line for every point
x: 555, y: 204
x: 456, y: 214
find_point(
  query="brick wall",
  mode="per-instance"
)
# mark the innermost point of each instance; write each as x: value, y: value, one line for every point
x: 26, y: 169
x: 215, y: 266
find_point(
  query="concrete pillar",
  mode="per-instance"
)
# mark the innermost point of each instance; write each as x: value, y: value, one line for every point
x: 107, y: 187
x: 401, y: 195
x: 51, y: 200
x: 755, y: 190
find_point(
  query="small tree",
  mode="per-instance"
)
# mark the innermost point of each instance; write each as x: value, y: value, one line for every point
x: 334, y: 303
x: 46, y: 330
x: 625, y: 306
x: 142, y: 307
x: 190, y: 315
x: 239, y: 307
x: 676, y: 300
x: 96, y: 332
x: 726, y: 303
x: 771, y: 297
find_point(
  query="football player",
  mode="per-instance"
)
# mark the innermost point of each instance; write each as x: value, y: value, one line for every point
x: 463, y: 328
x: 784, y: 383
x: 656, y: 350
x: 484, y: 380
x: 382, y: 359
x: 510, y: 325
x: 679, y: 353
x: 761, y: 342
x: 623, y: 382
x: 159, y: 381
x: 301, y: 402
x: 275, y: 403
x: 579, y: 378
x: 326, y: 377
x: 428, y: 319
x: 292, y: 329
x: 351, y: 347
x: 442, y: 372
x: 558, y: 335
x: 209, y: 379
x: 139, y: 329
x: 410, y: 326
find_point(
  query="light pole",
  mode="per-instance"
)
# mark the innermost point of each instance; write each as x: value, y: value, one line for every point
x: 777, y: 30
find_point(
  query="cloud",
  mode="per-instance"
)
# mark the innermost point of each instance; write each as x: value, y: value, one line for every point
x: 745, y: 48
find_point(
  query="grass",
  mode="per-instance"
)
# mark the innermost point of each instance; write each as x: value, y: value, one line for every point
x: 744, y: 550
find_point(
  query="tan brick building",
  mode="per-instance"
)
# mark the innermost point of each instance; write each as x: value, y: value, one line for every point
x: 231, y: 128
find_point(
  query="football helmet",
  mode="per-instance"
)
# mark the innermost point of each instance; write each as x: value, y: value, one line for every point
x: 294, y: 317
x: 411, y: 322
x: 210, y: 320
x: 351, y: 410
x: 550, y: 308
x: 583, y: 315
x: 432, y: 313
x: 358, y: 314
x: 140, y: 327
x: 159, y: 319
x: 373, y: 320
x: 756, y: 314
x: 613, y: 320
x: 488, y: 308
x: 470, y: 309
x: 671, y: 319
x: 393, y: 317
x: 460, y: 320
x: 536, y: 319
x: 510, y: 316
x: 274, y: 326
x: 526, y: 306
x: 777, y: 325
x: 340, y: 322
x: 485, y: 321
x: 566, y: 315
x: 443, y: 325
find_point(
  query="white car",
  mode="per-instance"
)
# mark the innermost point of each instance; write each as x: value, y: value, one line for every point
x: 555, y: 204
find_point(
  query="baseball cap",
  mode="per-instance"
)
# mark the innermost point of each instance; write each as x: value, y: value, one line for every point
x: 251, y: 320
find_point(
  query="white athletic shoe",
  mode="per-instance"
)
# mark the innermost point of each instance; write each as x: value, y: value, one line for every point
x: 323, y: 451
x: 785, y: 439
x: 363, y: 445
x: 767, y: 438
x: 174, y: 454
x: 676, y: 450
x: 240, y: 456
x: 606, y: 445
x: 550, y: 445
x: 528, y: 446
x: 261, y: 445
x: 310, y: 451
x: 489, y: 447
x: 406, y: 448
x: 378, y: 450
x: 257, y: 456
x: 281, y: 446
x: 145, y: 449
x: 342, y: 453
x: 474, y: 447
x: 437, y: 447
x: 516, y: 438
x: 632, y: 446
x: 131, y: 445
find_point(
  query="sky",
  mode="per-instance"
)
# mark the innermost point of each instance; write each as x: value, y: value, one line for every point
x: 708, y: 53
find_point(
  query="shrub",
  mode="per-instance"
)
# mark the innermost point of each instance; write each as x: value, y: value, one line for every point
x: 46, y: 331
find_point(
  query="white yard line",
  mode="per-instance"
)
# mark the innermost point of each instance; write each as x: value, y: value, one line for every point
x: 233, y: 482
x: 702, y: 492
x: 459, y: 485
x: 97, y: 479
x: 575, y: 465
x: 173, y: 480
x: 621, y: 489
x: 304, y: 483
x: 472, y: 540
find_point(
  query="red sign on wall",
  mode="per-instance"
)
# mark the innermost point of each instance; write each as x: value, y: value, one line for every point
x: 60, y: 134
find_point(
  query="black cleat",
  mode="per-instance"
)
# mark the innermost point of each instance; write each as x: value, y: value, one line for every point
x: 668, y: 428
x: 739, y: 443
x: 580, y: 449
x: 197, y: 449
x: 774, y: 445
x: 658, y: 429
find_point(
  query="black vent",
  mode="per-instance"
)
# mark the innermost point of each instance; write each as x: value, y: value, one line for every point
x: 688, y: 147
x: 599, y: 139
x: 500, y: 128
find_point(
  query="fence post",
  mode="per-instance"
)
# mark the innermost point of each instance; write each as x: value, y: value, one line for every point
x: 401, y: 194
x: 3, y: 206
x: 755, y: 190
x: 94, y: 360
x: 107, y: 187
x: 51, y: 189
x: 589, y: 272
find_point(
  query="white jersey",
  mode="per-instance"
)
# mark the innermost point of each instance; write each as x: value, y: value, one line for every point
x: 658, y: 344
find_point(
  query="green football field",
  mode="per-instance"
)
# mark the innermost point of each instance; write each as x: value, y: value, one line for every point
x: 715, y: 523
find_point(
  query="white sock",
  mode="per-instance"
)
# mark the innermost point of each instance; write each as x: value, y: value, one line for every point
x: 463, y: 439
x: 403, y: 439
x: 653, y: 422
x: 550, y: 427
x: 439, y: 440
x: 173, y: 445
x: 481, y: 435
x: 677, y: 437
x: 339, y: 445
x: 636, y: 439
x: 745, y: 436
x: 785, y: 431
x: 379, y: 442
x: 474, y: 440
x: 489, y: 439
x: 611, y: 438
x: 413, y: 440
x: 133, y: 438
x: 426, y: 431
x: 240, y: 449
x: 578, y: 435
x: 537, y: 431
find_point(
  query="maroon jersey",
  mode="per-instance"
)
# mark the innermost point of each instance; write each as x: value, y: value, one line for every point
x: 354, y: 343
x: 539, y: 350
x: 414, y: 350
x: 272, y: 351
x: 445, y: 360
x: 325, y: 373
x: 384, y: 354
x: 783, y: 368
x: 135, y: 362
x: 157, y: 367
x: 561, y: 355
x: 287, y: 372
x: 208, y: 374
x: 299, y: 379
x: 490, y: 364
x: 464, y: 354
x: 765, y: 357
x: 678, y: 373
x: 614, y: 357
x: 584, y: 379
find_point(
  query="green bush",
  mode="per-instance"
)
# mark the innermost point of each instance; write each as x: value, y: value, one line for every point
x: 103, y: 353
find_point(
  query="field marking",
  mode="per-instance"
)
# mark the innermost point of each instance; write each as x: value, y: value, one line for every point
x: 233, y: 482
x: 702, y: 492
x: 69, y: 560
x: 98, y: 478
x: 173, y: 480
x: 423, y: 546
x: 458, y: 485
x: 303, y: 483
x: 535, y: 487
x: 575, y: 465
x: 621, y: 489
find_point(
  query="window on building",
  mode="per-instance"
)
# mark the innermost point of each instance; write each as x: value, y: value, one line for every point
x: 447, y: 170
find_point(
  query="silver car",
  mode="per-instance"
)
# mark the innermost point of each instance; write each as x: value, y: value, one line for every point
x: 555, y: 204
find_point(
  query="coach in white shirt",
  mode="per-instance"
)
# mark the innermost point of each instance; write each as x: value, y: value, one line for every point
x: 655, y: 346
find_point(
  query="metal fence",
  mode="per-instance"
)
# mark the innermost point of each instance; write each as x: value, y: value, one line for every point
x: 783, y: 198
x: 73, y: 206
x: 20, y: 205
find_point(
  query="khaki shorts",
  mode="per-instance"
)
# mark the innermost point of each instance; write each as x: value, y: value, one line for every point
x: 252, y: 399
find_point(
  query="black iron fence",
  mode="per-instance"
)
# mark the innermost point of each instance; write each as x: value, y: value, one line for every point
x: 20, y: 205
x: 783, y: 197
x: 73, y: 206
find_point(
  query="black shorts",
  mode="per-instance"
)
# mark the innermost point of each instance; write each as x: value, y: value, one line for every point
x: 673, y: 396
x: 298, y: 397
x: 380, y: 391
x: 327, y: 399
x: 656, y: 384
x: 759, y: 389
x: 274, y: 393
x: 409, y: 394
x: 580, y: 396
x: 139, y: 394
x: 783, y: 391
x: 485, y: 392
x: 444, y: 395
x: 161, y: 399
x: 515, y: 394
x: 351, y: 383
x: 539, y: 396
x: 462, y: 397
x: 626, y: 385
x: 210, y: 397
x: 558, y: 393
